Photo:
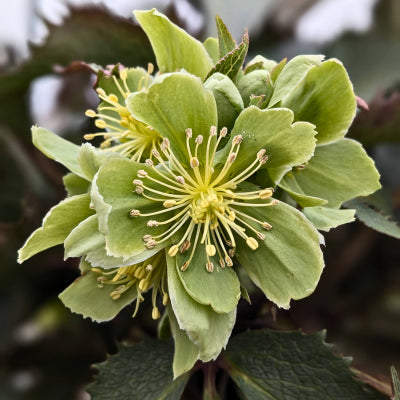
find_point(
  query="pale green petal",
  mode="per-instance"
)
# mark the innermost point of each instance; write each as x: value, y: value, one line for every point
x: 113, y: 196
x: 58, y: 149
x: 209, y: 330
x: 212, y: 47
x: 288, y: 263
x: 84, y: 297
x: 325, y: 98
x: 228, y: 99
x: 74, y: 184
x: 186, y: 352
x: 287, y: 144
x: 220, y: 289
x: 173, y: 103
x: 291, y: 75
x: 325, y: 218
x: 173, y: 47
x: 56, y: 226
x: 338, y: 172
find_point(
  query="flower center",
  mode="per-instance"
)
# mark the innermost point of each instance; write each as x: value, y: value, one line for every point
x: 206, y: 204
x: 145, y: 275
x: 124, y: 134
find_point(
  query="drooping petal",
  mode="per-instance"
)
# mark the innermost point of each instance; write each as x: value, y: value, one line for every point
x: 173, y: 103
x: 57, y: 224
x: 209, y: 330
x: 338, y: 172
x: 219, y: 289
x: 114, y: 197
x: 288, y: 263
x: 173, y: 47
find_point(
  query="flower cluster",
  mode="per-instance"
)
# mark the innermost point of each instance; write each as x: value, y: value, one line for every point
x: 208, y: 169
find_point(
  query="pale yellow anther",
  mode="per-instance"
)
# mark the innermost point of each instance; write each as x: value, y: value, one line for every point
x: 144, y: 285
x: 146, y: 238
x: 213, y: 131
x: 232, y: 215
x: 228, y: 261
x: 149, y: 162
x: 137, y: 182
x: 263, y: 160
x: 173, y: 250
x: 165, y: 299
x: 155, y: 314
x: 101, y: 92
x: 185, y: 266
x: 265, y: 193
x: 90, y: 113
x: 252, y: 243
x: 169, y: 203
x: 149, y: 267
x: 232, y: 158
x: 89, y: 136
x: 199, y: 139
x: 150, y: 244
x: 123, y: 74
x: 180, y: 179
x: 134, y: 213
x: 194, y: 162
x: 112, y: 97
x: 155, y: 153
x: 260, y: 235
x: 100, y: 123
x: 150, y: 68
x: 142, y: 173
x: 165, y: 144
x: 152, y: 223
x: 211, y: 250
x: 261, y: 153
x: 223, y: 132
x: 210, y: 267
x: 139, y: 189
x: 124, y: 123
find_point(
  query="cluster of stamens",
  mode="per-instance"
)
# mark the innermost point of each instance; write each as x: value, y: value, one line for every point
x: 148, y: 274
x: 124, y: 133
x: 204, y: 203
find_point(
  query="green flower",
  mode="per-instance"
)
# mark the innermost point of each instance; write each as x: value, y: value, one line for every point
x: 199, y: 204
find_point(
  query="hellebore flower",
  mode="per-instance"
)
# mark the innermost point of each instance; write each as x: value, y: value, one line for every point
x: 199, y: 204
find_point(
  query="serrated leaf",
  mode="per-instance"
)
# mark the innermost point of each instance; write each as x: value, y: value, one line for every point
x: 57, y: 225
x: 85, y: 297
x: 139, y: 372
x: 373, y: 217
x: 231, y: 63
x: 291, y: 366
x: 225, y: 39
x: 173, y: 47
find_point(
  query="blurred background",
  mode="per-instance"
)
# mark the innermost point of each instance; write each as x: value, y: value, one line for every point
x: 45, y: 351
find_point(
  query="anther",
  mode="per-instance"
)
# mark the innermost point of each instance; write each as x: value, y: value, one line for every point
x: 213, y: 131
x: 155, y: 153
x: 185, y: 266
x: 101, y: 92
x: 263, y: 160
x: 113, y: 98
x: 199, y: 139
x: 211, y: 250
x: 149, y: 267
x: 90, y: 113
x: 266, y: 226
x: 151, y: 223
x: 155, y: 314
x: 173, y: 250
x: 260, y: 235
x: 137, y: 182
x: 210, y: 267
x: 149, y: 162
x: 194, y: 162
x: 261, y: 153
x: 139, y: 190
x: 222, y: 263
x: 123, y: 74
x: 165, y: 144
x: 169, y: 203
x: 165, y: 299
x: 237, y: 139
x: 184, y: 246
x: 89, y: 136
x: 232, y: 157
x: 100, y: 123
x: 142, y: 173
x: 150, y: 244
x: 228, y: 261
x: 134, y: 213
x: 146, y: 238
x: 252, y: 243
x: 188, y: 132
x: 180, y: 179
x: 223, y: 132
x: 232, y: 252
x: 265, y: 193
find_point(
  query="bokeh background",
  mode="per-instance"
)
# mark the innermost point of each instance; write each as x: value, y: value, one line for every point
x: 45, y: 351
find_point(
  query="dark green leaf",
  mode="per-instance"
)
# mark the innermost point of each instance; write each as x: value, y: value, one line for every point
x: 231, y: 63
x: 291, y: 366
x: 225, y: 39
x: 140, y: 372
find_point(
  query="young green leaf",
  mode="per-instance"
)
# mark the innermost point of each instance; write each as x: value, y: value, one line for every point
x: 225, y: 39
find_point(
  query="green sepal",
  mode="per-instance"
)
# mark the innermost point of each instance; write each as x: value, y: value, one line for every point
x: 338, y: 172
x: 255, y: 83
x: 288, y: 263
x: 173, y: 47
x: 219, y: 289
x: 291, y: 75
x: 287, y: 144
x: 325, y: 97
x: 232, y: 62
x: 75, y: 185
x: 56, y: 225
x: 113, y: 197
x: 324, y: 218
x: 261, y: 63
x: 225, y: 40
x: 209, y: 330
x: 212, y: 47
x: 58, y: 149
x: 227, y: 97
x: 276, y: 71
x: 85, y: 297
x: 186, y: 353
x: 173, y: 103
